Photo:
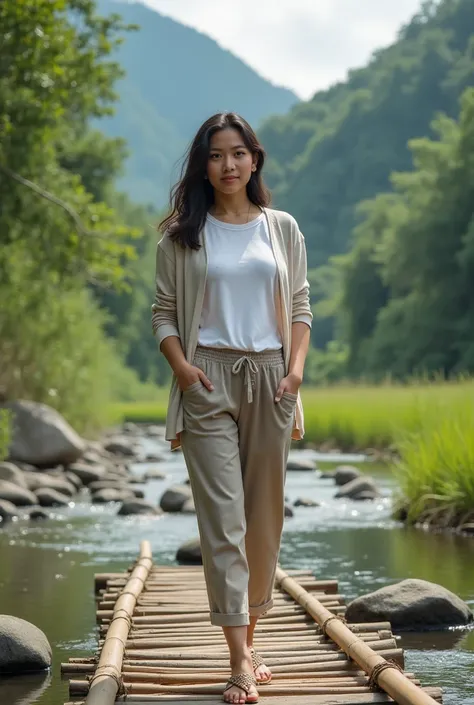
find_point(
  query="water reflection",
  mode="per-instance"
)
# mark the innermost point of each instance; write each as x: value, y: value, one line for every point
x: 46, y: 571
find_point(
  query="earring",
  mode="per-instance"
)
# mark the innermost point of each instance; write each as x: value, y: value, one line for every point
x: 254, y: 168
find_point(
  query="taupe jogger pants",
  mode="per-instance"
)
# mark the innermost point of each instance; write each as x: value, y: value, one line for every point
x: 235, y: 443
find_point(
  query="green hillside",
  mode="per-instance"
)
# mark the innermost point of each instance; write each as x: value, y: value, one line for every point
x: 175, y: 78
x: 340, y: 148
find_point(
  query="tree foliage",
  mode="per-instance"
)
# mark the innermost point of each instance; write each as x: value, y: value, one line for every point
x: 409, y: 281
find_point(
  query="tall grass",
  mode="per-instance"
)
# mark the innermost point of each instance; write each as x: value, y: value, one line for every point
x: 435, y: 472
x: 430, y: 426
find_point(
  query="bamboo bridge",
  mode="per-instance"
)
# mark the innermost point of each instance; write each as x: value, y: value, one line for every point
x: 156, y: 645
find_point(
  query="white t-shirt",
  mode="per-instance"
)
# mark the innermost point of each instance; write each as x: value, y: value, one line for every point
x: 239, y: 302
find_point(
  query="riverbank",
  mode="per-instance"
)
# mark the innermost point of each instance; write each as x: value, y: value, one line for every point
x: 424, y: 431
x: 50, y: 565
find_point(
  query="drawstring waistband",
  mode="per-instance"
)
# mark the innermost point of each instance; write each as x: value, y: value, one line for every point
x: 250, y: 366
x: 239, y: 359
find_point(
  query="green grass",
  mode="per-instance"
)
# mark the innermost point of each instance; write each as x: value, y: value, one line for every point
x: 429, y: 425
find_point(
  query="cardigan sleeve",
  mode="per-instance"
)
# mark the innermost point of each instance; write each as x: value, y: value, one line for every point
x: 301, y: 308
x: 164, y: 314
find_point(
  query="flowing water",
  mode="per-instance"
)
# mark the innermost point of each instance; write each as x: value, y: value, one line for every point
x: 47, y: 569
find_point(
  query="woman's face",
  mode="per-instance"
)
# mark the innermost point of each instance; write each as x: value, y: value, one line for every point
x: 230, y: 164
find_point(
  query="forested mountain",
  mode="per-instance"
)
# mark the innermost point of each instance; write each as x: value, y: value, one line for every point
x: 175, y: 77
x: 330, y: 153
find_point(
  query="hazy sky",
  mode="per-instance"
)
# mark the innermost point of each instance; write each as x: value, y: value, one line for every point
x: 302, y: 44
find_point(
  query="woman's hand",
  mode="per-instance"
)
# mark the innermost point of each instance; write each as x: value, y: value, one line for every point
x: 189, y: 374
x: 291, y: 383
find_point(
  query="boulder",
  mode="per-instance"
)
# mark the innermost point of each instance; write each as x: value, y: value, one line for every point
x: 288, y: 511
x: 355, y: 487
x: 41, y: 436
x: 411, y: 605
x: 344, y: 474
x: 12, y: 473
x: 48, y: 497
x: 174, y: 497
x: 154, y: 474
x: 139, y: 494
x: 87, y: 473
x: 111, y: 495
x: 190, y: 552
x: 305, y: 502
x: 7, y: 510
x: 300, y: 464
x: 467, y: 529
x: 23, y: 647
x: 19, y: 496
x: 138, y: 506
x: 188, y: 507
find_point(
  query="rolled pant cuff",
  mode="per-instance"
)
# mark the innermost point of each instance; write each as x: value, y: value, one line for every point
x: 260, y: 609
x: 218, y: 619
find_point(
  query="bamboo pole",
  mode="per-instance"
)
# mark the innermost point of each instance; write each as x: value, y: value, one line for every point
x: 108, y: 676
x: 356, y: 699
x: 390, y: 680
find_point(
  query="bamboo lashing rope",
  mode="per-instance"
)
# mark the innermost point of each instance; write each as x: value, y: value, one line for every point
x: 391, y: 680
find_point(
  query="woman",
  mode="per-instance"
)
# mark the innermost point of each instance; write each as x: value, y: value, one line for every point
x: 232, y: 317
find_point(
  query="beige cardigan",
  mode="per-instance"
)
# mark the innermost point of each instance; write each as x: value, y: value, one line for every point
x: 180, y: 284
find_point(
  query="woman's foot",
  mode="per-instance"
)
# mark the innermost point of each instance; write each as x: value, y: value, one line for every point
x: 242, y: 671
x: 262, y: 672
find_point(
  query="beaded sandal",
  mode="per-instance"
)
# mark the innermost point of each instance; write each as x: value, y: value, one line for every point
x: 257, y: 661
x: 244, y: 681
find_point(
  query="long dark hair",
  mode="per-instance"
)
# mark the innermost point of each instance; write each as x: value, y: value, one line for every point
x: 193, y: 195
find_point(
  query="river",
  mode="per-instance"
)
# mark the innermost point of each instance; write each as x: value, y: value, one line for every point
x: 47, y: 569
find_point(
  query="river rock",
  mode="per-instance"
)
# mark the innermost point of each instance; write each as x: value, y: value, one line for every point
x: 106, y: 485
x: 174, y: 497
x: 19, y: 496
x: 12, y: 473
x: 36, y: 513
x: 155, y: 431
x: 36, y: 481
x: 190, y: 552
x: 73, y: 479
x: 305, y: 502
x: 7, y: 510
x: 344, y: 474
x: 48, y: 497
x: 300, y: 464
x: 327, y: 475
x: 412, y: 605
x: 356, y: 487
x: 120, y: 446
x: 154, y: 458
x: 111, y: 495
x: 87, y: 473
x: 23, y: 647
x: 467, y: 529
x: 41, y: 436
x: 138, y: 506
x: 154, y: 474
x: 289, y: 513
x: 188, y: 507
x: 366, y: 496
